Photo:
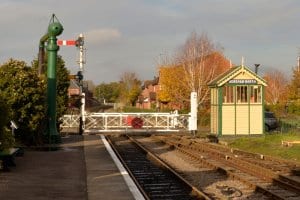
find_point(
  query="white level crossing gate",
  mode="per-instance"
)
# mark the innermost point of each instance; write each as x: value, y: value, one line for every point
x: 118, y: 122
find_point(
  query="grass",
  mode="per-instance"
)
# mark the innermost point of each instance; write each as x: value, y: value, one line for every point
x: 269, y: 144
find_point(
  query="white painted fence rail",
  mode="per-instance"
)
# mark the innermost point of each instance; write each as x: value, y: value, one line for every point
x: 103, y: 122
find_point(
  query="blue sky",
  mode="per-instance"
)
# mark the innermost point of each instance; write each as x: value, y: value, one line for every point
x: 131, y: 35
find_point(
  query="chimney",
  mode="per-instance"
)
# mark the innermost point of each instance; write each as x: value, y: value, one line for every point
x: 256, y: 68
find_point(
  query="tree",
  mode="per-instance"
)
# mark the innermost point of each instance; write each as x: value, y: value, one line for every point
x: 294, y: 92
x: 201, y: 61
x: 130, y: 88
x: 172, y: 87
x: 198, y: 61
x: 108, y: 91
x: 62, y: 85
x: 89, y: 84
x: 24, y: 93
x: 276, y: 91
x: 294, y: 86
x: 6, y: 137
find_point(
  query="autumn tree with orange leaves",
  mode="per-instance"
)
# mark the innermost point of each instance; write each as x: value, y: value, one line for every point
x: 198, y: 61
x: 172, y: 88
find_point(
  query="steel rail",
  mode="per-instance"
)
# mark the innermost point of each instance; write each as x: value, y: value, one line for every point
x: 248, y: 167
x: 150, y: 156
x: 195, y: 191
x: 127, y: 169
x: 230, y: 173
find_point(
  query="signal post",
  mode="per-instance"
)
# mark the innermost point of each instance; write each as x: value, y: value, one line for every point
x: 79, y: 76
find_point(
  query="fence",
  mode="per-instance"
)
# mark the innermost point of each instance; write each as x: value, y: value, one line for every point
x: 103, y: 122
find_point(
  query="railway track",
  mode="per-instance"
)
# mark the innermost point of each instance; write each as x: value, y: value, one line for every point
x: 267, y: 167
x: 262, y: 175
x: 155, y: 179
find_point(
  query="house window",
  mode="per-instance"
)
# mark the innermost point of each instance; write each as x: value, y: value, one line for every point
x: 241, y: 94
x: 228, y: 94
x: 255, y: 94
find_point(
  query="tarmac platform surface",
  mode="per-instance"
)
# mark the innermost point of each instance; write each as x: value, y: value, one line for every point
x: 81, y: 169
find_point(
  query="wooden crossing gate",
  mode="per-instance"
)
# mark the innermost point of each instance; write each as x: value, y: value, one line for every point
x: 119, y: 122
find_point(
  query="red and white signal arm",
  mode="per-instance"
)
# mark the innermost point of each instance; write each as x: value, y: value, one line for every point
x: 66, y: 42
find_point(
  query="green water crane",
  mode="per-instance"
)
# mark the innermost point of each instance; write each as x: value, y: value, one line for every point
x: 54, y: 29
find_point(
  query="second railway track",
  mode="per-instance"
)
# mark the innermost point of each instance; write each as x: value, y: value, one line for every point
x: 154, y: 179
x: 205, y: 170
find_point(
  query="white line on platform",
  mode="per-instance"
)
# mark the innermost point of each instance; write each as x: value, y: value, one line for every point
x: 131, y: 185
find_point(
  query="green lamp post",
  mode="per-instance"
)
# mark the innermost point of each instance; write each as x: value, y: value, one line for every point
x: 54, y: 29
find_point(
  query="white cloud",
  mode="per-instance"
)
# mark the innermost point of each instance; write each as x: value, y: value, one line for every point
x: 132, y: 34
x: 104, y: 35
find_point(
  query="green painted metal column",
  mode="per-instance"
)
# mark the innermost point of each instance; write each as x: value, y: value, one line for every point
x: 220, y: 104
x: 263, y: 108
x: 54, y: 29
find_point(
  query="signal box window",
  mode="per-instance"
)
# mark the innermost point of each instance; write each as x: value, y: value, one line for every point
x: 255, y: 94
x: 228, y: 94
x: 241, y: 94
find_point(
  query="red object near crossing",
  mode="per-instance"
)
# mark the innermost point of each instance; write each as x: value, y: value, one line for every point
x: 66, y: 42
x: 137, y: 122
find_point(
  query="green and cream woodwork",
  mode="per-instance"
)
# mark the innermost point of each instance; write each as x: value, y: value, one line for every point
x: 237, y: 102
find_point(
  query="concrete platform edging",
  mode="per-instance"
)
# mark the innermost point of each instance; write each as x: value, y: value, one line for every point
x: 131, y: 185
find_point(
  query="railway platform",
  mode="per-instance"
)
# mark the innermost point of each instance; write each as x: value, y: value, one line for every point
x: 81, y: 168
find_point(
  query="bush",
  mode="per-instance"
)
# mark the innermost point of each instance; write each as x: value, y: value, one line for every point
x: 6, y: 138
x: 278, y: 109
x: 137, y: 110
x: 294, y: 108
x: 204, y: 117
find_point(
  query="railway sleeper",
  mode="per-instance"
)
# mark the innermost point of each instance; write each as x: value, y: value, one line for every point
x: 169, y: 188
x: 171, y: 197
x: 266, y: 175
x: 241, y: 175
x: 291, y: 180
x: 161, y: 191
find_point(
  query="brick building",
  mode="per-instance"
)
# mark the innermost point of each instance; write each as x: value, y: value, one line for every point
x: 148, y: 97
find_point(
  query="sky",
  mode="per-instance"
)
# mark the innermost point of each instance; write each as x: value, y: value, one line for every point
x: 135, y: 35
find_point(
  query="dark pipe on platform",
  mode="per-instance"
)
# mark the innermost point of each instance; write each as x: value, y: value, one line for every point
x: 41, y: 56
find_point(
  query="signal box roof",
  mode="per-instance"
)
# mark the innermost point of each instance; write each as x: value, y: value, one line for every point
x: 235, y: 75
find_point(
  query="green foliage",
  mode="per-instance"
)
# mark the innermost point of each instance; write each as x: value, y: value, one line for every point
x: 204, y: 117
x: 130, y: 88
x: 289, y: 123
x: 23, y: 92
x: 62, y: 85
x: 109, y: 92
x: 136, y: 110
x: 294, y: 107
x: 134, y: 93
x: 4, y: 117
x: 294, y: 93
x: 152, y: 110
x: 6, y: 137
x: 278, y: 109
